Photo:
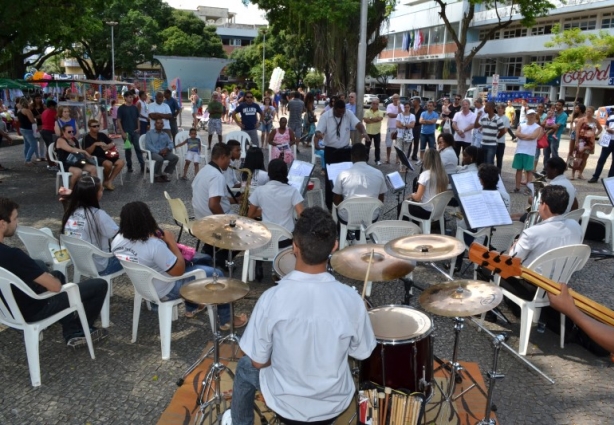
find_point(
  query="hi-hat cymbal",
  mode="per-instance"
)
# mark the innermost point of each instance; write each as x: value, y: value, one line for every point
x: 425, y: 247
x: 461, y: 298
x: 231, y: 231
x: 353, y: 262
x: 211, y: 290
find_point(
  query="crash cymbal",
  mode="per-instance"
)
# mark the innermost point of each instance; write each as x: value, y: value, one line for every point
x: 461, y: 298
x: 353, y: 262
x: 232, y: 232
x: 211, y: 290
x: 425, y: 247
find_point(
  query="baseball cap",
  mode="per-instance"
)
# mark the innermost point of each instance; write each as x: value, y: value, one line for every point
x: 531, y: 111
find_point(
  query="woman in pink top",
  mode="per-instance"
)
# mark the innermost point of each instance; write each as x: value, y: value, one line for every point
x: 280, y: 140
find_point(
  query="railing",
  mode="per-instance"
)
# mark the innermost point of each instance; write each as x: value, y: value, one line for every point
x: 504, y: 12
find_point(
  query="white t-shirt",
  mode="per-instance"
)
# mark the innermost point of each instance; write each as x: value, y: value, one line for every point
x: 144, y: 113
x: 527, y: 147
x: 462, y: 122
x: 391, y: 109
x: 94, y: 226
x: 152, y: 253
x: 307, y: 326
x: 328, y: 125
x: 449, y: 160
x: 162, y: 108
x: 277, y: 201
x: 405, y: 120
x: 360, y: 180
x: 209, y: 183
x: 425, y: 180
x: 259, y: 178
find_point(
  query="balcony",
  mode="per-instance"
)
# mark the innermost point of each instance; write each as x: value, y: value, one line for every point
x: 491, y: 16
x: 430, y: 52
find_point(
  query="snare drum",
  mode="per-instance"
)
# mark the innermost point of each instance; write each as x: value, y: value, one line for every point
x: 403, y: 357
x: 284, y: 262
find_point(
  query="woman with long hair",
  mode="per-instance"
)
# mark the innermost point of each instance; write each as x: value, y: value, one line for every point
x: 309, y: 119
x: 26, y: 119
x: 445, y: 145
x: 67, y: 148
x: 268, y: 115
x: 141, y: 240
x: 282, y: 139
x: 84, y: 219
x: 64, y: 119
x: 254, y: 162
x: 432, y: 181
x: 578, y: 113
x: 588, y: 130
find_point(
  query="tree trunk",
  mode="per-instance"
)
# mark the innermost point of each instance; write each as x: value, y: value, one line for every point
x: 461, y: 73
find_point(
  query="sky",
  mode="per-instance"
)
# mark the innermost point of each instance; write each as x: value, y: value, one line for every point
x: 245, y: 15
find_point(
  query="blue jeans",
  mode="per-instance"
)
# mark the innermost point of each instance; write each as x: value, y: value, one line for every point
x: 489, y: 153
x: 112, y: 266
x: 134, y: 139
x: 246, y: 383
x: 29, y: 144
x: 320, y: 153
x: 605, y: 152
x: 427, y: 138
x: 552, y: 150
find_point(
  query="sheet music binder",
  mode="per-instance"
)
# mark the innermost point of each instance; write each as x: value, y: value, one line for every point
x: 299, y: 174
x: 481, y: 208
x: 608, y: 184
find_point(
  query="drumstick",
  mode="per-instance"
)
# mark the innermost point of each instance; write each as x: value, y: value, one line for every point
x: 364, y: 287
x: 387, y: 390
x: 380, y: 402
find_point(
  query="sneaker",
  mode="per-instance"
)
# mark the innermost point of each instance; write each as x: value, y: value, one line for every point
x: 80, y: 341
x: 130, y: 170
x: 593, y: 180
x: 378, y: 162
x: 418, y: 163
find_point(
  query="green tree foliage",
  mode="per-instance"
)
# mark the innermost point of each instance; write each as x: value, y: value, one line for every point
x: 530, y: 10
x: 314, y: 80
x: 189, y: 36
x: 383, y: 72
x: 580, y: 51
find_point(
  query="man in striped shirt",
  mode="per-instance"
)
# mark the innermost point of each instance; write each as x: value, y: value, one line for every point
x: 492, y: 128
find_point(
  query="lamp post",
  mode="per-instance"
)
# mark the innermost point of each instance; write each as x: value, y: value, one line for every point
x: 263, y: 57
x: 112, y: 25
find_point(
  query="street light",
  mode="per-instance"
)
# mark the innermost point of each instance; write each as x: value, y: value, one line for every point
x: 112, y: 24
x: 263, y: 56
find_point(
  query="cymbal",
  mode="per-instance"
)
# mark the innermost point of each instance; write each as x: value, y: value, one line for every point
x: 353, y: 262
x: 461, y: 298
x: 211, y: 290
x: 219, y: 231
x: 425, y: 247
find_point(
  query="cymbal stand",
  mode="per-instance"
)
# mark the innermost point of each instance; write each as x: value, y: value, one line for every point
x: 493, y: 376
x: 232, y: 337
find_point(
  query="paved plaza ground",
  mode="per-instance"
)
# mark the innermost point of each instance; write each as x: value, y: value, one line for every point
x: 129, y: 383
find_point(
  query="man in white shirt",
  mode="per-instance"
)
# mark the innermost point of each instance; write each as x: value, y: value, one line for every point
x: 392, y: 111
x: 300, y: 336
x: 160, y: 110
x: 334, y: 128
x: 462, y: 124
x: 555, y: 171
x: 361, y: 180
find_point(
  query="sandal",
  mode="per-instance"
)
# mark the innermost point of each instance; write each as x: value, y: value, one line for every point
x: 239, y: 321
x: 192, y: 314
x: 580, y: 177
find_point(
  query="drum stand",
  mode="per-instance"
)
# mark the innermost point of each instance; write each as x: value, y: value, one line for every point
x: 493, y: 376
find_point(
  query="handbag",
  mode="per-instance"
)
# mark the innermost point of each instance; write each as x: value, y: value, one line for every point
x: 112, y: 153
x: 447, y: 127
x: 393, y: 135
x: 542, y: 142
x: 35, y: 130
x: 187, y: 251
x: 77, y: 160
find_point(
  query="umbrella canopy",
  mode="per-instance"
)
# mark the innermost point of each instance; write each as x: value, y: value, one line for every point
x: 6, y: 83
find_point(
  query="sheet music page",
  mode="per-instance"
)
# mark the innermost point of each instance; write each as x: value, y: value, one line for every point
x: 609, y: 188
x: 467, y: 183
x: 300, y: 168
x: 297, y: 182
x: 476, y: 211
x: 396, y: 181
x: 333, y: 170
x: 498, y: 211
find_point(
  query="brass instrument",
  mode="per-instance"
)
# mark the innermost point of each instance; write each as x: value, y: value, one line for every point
x: 244, y: 206
x: 533, y: 213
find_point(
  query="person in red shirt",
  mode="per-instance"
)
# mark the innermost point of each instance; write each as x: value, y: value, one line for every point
x: 48, y: 118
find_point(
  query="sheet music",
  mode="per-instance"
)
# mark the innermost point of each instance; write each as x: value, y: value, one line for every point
x: 609, y: 188
x: 481, y: 208
x: 300, y: 168
x: 333, y: 170
x: 395, y: 180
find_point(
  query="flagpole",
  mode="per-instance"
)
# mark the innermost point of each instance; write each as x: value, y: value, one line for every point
x: 361, y: 68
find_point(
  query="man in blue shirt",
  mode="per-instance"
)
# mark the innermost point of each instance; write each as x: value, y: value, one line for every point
x: 428, y: 120
x: 174, y: 105
x: 161, y: 147
x: 251, y: 117
x: 559, y: 127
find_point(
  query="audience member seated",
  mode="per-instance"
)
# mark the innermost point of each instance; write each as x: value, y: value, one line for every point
x: 232, y: 181
x: 471, y: 159
x: 158, y: 142
x: 281, y: 139
x: 85, y: 220
x: 75, y: 160
x: 449, y: 160
x: 99, y: 145
x: 140, y: 240
x: 432, y: 181
x: 35, y: 275
x: 308, y: 312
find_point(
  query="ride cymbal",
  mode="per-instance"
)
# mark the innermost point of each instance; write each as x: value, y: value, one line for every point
x: 232, y: 232
x: 461, y: 298
x: 353, y: 262
x: 221, y: 290
x: 425, y: 247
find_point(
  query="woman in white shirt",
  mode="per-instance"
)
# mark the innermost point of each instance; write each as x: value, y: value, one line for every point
x: 254, y: 161
x: 432, y: 181
x: 449, y: 160
x: 405, y: 124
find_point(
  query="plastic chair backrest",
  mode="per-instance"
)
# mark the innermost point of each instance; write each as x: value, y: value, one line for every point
x: 384, y: 231
x: 575, y: 214
x: 142, y: 144
x: 142, y: 278
x: 37, y: 243
x: 271, y: 249
x: 10, y: 315
x: 242, y: 137
x: 181, y: 137
x: 502, y: 237
x: 178, y: 210
x: 82, y: 254
x: 360, y: 210
x: 439, y: 202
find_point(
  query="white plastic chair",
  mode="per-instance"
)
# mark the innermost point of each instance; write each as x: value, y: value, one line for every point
x: 575, y: 215
x: 181, y: 217
x: 503, y: 237
x: 360, y: 212
x: 62, y: 173
x: 314, y: 157
x: 599, y: 209
x: 10, y: 315
x: 315, y: 196
x: 82, y: 254
x: 438, y: 203
x: 557, y: 265
x: 265, y: 253
x: 142, y: 278
x: 150, y: 163
x: 41, y: 245
x: 242, y: 137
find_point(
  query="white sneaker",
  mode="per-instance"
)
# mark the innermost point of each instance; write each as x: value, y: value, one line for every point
x: 226, y: 418
x: 378, y: 162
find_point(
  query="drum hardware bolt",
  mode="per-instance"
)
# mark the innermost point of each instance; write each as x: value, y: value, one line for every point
x: 233, y: 223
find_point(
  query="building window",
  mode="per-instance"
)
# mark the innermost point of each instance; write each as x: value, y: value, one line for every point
x: 235, y: 42
x: 390, y: 43
x: 512, y: 67
x: 541, y: 60
x: 495, y: 36
x: 543, y: 28
x: 437, y: 34
x: 587, y: 22
x: 488, y: 67
x: 514, y: 33
x: 607, y: 21
x: 541, y: 91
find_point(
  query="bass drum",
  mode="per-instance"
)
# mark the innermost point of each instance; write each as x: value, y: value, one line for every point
x: 403, y: 357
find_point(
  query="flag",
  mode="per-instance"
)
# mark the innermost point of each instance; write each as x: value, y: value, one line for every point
x: 410, y: 39
x: 405, y: 42
x: 418, y: 40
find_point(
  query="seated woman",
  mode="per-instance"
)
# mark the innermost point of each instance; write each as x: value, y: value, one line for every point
x: 254, y: 162
x: 85, y: 220
x: 75, y: 160
x: 471, y: 159
x: 432, y: 181
x: 99, y: 145
x: 140, y: 240
x: 445, y: 145
x: 281, y: 139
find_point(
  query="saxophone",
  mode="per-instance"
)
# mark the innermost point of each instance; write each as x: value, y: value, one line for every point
x: 244, y: 206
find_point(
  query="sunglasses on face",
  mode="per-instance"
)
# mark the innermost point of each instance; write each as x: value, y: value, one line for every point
x: 95, y: 125
x: 249, y: 97
x: 70, y: 131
